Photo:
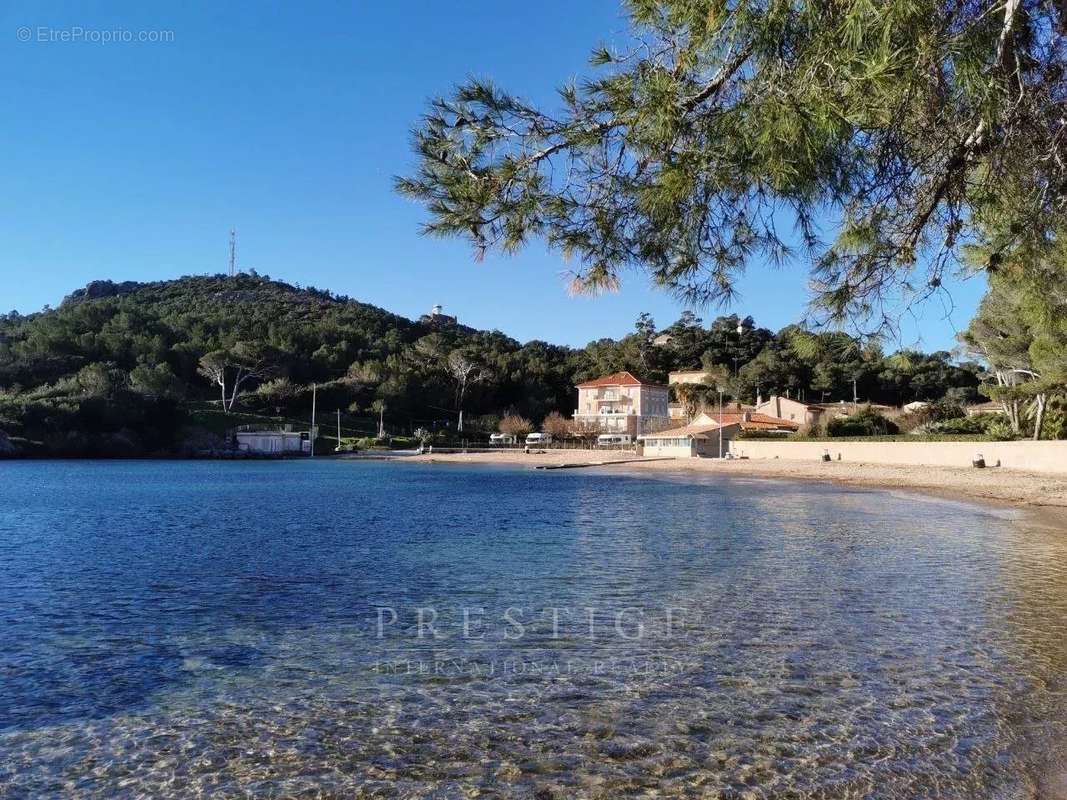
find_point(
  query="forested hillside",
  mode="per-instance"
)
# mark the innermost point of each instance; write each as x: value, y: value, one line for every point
x: 131, y: 368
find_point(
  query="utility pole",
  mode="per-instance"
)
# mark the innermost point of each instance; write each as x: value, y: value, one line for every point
x: 737, y: 350
x: 233, y: 252
x: 311, y: 435
x: 720, y: 422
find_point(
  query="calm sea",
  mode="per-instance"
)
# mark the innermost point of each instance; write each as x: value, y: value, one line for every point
x: 359, y: 629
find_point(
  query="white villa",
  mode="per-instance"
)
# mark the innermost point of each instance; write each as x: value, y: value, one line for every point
x: 621, y: 403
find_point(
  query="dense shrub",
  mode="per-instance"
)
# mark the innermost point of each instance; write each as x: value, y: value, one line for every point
x: 866, y: 422
x: 773, y: 437
x: 999, y: 428
x: 1056, y: 419
x: 922, y: 418
x: 979, y: 423
x: 995, y: 426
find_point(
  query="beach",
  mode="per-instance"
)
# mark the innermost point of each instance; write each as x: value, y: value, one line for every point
x: 994, y: 485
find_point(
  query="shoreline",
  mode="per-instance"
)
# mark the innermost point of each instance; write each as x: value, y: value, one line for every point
x: 1041, y: 494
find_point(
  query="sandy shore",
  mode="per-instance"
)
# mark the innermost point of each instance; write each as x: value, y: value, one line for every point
x: 994, y: 485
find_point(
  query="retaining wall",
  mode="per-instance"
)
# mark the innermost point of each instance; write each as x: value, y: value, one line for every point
x: 1043, y: 456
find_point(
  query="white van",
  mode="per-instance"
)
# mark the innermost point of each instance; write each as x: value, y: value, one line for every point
x: 613, y: 439
x: 538, y: 438
x: 502, y: 438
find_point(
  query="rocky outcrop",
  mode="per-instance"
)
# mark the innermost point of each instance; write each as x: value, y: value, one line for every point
x: 98, y: 289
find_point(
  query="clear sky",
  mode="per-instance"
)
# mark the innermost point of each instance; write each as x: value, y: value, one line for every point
x: 131, y: 160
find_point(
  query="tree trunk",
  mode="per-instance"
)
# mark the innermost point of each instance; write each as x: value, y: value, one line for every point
x: 238, y: 379
x: 1039, y: 421
x: 459, y: 426
x: 1010, y: 406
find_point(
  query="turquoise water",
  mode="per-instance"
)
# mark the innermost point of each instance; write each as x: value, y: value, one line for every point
x: 181, y: 629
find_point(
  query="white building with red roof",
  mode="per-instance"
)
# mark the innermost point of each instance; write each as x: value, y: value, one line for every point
x: 621, y: 403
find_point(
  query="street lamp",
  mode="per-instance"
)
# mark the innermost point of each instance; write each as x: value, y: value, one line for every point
x: 737, y: 350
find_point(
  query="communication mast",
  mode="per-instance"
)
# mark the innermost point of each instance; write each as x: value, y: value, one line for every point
x: 233, y: 252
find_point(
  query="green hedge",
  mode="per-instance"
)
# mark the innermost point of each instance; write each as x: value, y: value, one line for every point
x: 901, y: 437
x: 866, y: 422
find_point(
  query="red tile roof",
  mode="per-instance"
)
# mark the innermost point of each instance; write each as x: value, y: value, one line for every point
x: 616, y: 379
x: 695, y: 431
x: 757, y: 421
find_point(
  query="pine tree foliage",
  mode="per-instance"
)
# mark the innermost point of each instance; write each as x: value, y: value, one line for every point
x: 1020, y: 329
x: 735, y: 130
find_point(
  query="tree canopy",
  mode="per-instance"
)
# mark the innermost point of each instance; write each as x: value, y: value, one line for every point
x: 874, y: 139
x: 1020, y: 329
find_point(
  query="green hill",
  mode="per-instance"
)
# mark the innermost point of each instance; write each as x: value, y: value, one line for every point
x: 115, y: 369
x: 129, y: 368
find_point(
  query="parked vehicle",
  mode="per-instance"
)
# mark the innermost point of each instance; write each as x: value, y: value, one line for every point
x: 502, y: 438
x: 538, y: 438
x: 613, y: 439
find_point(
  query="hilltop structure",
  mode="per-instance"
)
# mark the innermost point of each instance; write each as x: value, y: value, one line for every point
x: 437, y: 317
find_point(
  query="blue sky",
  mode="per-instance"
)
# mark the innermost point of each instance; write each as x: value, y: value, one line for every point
x: 131, y: 160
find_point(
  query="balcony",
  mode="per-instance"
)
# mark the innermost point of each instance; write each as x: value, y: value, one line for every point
x: 605, y: 412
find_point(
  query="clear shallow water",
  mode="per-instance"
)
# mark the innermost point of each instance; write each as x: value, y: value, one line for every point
x: 175, y: 629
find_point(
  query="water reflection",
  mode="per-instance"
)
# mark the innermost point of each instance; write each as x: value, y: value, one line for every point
x: 160, y: 639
